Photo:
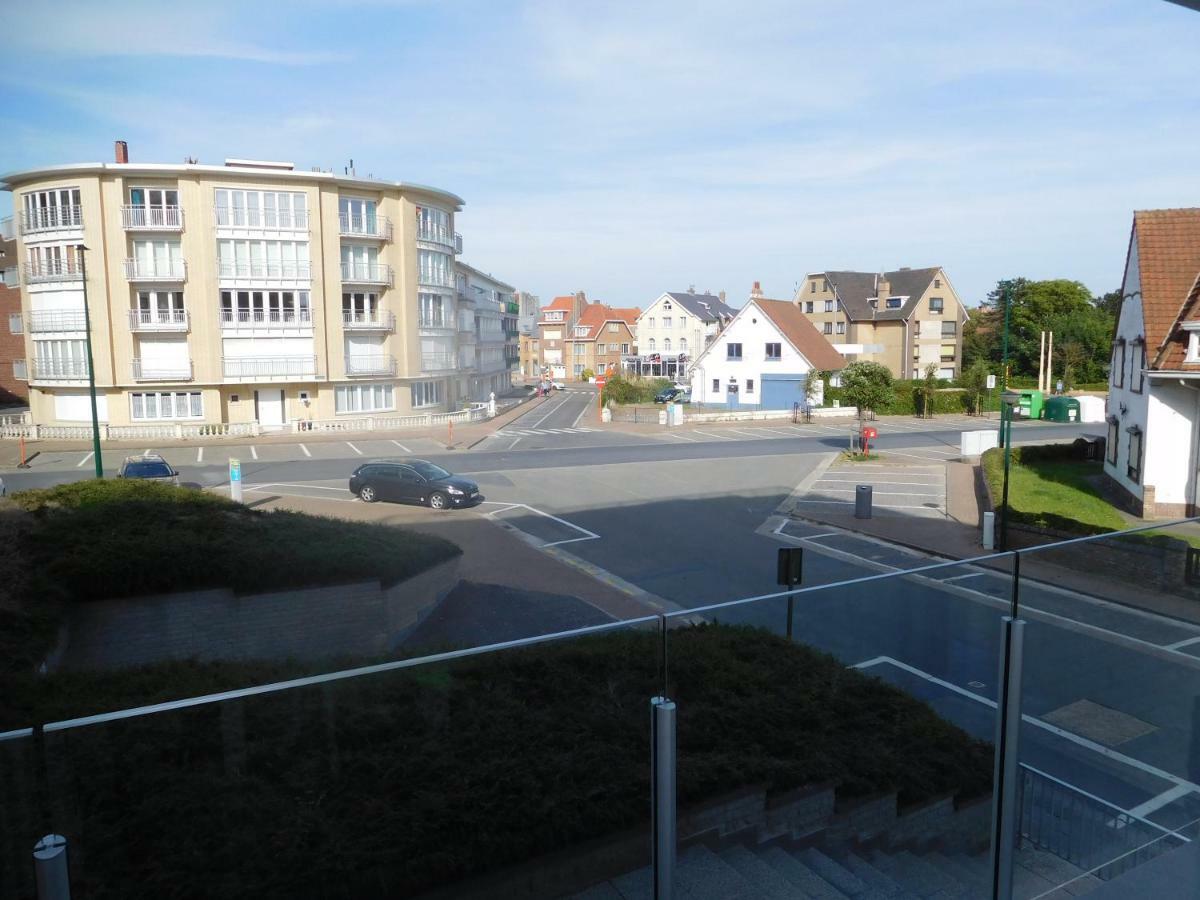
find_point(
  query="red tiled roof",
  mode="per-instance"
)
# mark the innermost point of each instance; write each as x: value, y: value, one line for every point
x: 560, y: 303
x: 1168, y: 243
x: 595, y: 316
x: 802, y: 334
x: 628, y: 314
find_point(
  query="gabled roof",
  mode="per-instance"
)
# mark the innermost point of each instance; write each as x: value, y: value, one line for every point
x: 596, y: 316
x: 801, y: 334
x: 559, y: 303
x: 855, y: 289
x: 627, y: 314
x: 1168, y: 246
x: 705, y: 307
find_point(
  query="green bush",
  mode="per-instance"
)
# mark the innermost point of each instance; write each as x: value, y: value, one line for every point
x: 907, y: 400
x: 587, y: 374
x: 114, y: 490
x: 622, y: 390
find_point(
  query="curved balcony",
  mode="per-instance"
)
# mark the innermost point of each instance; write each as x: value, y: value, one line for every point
x: 58, y: 370
x: 366, y: 273
x: 282, y: 273
x: 152, y: 370
x: 53, y: 270
x: 433, y: 235
x: 377, y: 321
x: 159, y: 270
x: 370, y: 228
x: 52, y: 218
x: 265, y: 318
x: 43, y: 320
x: 438, y: 361
x: 234, y: 218
x: 152, y: 218
x: 371, y: 365
x: 158, y: 320
x: 434, y: 278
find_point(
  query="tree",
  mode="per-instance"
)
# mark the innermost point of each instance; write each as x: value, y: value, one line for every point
x: 1075, y: 359
x: 981, y: 336
x: 974, y: 385
x: 867, y: 385
x: 929, y: 389
x: 1109, y: 303
x: 814, y: 384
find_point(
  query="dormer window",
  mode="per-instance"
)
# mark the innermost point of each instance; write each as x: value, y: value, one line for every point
x: 894, y: 302
x: 581, y: 331
x: 1193, y: 347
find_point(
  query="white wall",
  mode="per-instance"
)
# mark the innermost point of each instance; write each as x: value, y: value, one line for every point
x: 1130, y: 325
x: 753, y: 330
x: 76, y: 406
x: 1168, y: 458
x: 693, y: 331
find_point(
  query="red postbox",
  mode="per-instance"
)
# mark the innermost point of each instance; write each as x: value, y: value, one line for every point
x: 868, y: 434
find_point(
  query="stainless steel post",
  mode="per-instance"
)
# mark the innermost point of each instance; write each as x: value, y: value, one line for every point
x: 662, y: 797
x: 50, y: 868
x: 1005, y: 812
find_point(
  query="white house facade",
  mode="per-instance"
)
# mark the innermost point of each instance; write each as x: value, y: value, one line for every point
x: 674, y: 330
x: 762, y: 359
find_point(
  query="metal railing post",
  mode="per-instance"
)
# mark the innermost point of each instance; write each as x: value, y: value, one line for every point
x: 1005, y: 811
x: 50, y: 868
x: 662, y: 796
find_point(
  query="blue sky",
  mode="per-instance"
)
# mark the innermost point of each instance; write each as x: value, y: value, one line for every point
x: 629, y: 148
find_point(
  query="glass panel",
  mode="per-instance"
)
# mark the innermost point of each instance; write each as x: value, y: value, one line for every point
x: 1109, y: 757
x: 21, y: 819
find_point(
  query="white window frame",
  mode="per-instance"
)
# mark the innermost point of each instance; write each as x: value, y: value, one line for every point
x: 16, y: 324
x: 20, y: 370
x: 938, y: 310
x: 140, y: 403
x: 355, y: 399
x: 426, y: 393
x: 777, y: 355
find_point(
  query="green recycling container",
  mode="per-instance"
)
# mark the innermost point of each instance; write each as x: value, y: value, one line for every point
x: 1062, y: 409
x: 1029, y: 404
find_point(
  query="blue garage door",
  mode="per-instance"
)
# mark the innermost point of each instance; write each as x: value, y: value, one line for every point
x: 780, y: 391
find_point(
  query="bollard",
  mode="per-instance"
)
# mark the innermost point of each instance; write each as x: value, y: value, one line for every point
x: 989, y: 531
x: 862, y: 501
x: 50, y: 868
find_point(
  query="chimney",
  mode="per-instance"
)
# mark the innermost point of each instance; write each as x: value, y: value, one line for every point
x: 756, y: 291
x: 691, y: 289
x: 121, y: 151
x: 721, y: 296
x: 883, y: 287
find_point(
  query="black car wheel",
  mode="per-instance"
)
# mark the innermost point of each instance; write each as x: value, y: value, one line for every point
x: 367, y: 494
x: 438, y: 500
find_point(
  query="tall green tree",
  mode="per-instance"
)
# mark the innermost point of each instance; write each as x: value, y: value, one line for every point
x: 867, y: 385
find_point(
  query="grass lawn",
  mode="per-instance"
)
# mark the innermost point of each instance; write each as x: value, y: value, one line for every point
x: 109, y: 539
x: 1052, y: 493
x: 386, y: 785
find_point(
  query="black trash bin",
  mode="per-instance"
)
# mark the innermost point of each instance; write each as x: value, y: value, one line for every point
x: 862, y: 501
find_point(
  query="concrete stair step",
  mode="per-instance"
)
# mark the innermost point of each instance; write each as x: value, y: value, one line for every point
x: 636, y: 885
x: 837, y: 875
x: 770, y: 882
x: 810, y: 884
x: 702, y: 875
x: 603, y: 891
x: 916, y: 876
x: 971, y: 872
x: 1054, y: 871
x: 874, y: 877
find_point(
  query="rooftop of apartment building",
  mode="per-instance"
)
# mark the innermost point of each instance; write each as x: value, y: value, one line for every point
x: 597, y: 315
x: 706, y: 307
x: 859, y: 292
x: 258, y: 168
x: 486, y: 276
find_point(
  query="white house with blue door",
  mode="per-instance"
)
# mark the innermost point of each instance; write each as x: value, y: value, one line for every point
x: 763, y: 358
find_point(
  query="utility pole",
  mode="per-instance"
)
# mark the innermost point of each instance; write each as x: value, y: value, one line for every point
x: 1004, y: 360
x: 87, y: 324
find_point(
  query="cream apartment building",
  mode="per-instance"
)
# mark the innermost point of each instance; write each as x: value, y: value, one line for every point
x: 906, y: 319
x: 243, y: 292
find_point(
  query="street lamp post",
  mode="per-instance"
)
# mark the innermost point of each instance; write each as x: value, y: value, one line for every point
x: 87, y: 324
x: 1006, y: 416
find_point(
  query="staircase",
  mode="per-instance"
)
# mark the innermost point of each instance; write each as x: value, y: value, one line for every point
x: 776, y: 871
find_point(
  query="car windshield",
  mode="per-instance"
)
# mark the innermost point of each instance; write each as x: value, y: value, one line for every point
x: 148, y: 470
x: 430, y: 472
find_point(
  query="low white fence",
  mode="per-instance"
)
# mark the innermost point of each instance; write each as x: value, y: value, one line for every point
x: 478, y: 412
x: 749, y: 415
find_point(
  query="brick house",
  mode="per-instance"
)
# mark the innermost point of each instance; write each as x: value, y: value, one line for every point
x: 601, y: 337
x: 13, y: 376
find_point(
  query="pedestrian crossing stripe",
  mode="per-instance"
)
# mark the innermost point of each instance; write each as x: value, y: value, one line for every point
x: 527, y: 432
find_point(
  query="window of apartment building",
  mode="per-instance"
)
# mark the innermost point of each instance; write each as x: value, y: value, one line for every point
x: 236, y: 208
x: 682, y: 345
x: 15, y: 324
x: 666, y: 345
x: 353, y: 398
x: 936, y: 306
x: 716, y: 385
x: 749, y: 385
x: 160, y: 307
x: 614, y: 327
x: 578, y: 369
x: 426, y: 393
x: 808, y: 306
x: 434, y: 224
x: 666, y: 321
x: 244, y: 307
x: 434, y: 267
x: 828, y: 328
x: 53, y: 259
x: 147, y: 405
x: 432, y: 311
x: 1138, y: 366
x: 683, y: 321
x: 262, y: 259
x: 841, y: 328
x: 625, y: 348
x: 733, y: 351
x: 58, y: 208
x: 20, y: 370
x: 64, y: 359
x: 774, y: 351
x: 895, y: 302
x: 949, y: 329
x: 1110, y: 442
x: 1117, y: 378
x: 812, y: 289
x: 360, y: 306
x: 360, y: 261
x: 652, y: 321
x: 828, y: 306
x: 579, y: 349
x: 652, y: 345
x: 554, y: 315
x: 937, y: 284
x: 825, y: 285
x: 1134, y: 462
x: 160, y: 258
x: 153, y: 207
x: 357, y: 216
x: 581, y: 331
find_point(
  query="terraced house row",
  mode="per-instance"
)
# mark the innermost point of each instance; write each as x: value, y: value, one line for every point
x: 249, y: 292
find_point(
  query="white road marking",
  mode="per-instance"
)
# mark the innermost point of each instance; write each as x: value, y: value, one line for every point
x: 742, y: 431
x: 270, y: 489
x: 1038, y: 723
x: 146, y: 452
x: 254, y: 451
x: 305, y: 449
x: 515, y: 441
x: 886, y: 452
x: 401, y: 446
x: 199, y: 454
x: 1179, y: 644
x: 355, y: 449
x: 1156, y: 803
x: 85, y: 459
x: 875, y: 481
x: 587, y: 535
x: 674, y: 435
x: 575, y: 424
x: 970, y: 575
x: 879, y: 505
x: 719, y: 437
x: 563, y: 402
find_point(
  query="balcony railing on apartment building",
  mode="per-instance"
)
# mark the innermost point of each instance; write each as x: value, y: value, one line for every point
x: 158, y: 320
x: 436, y: 323
x: 58, y: 369
x: 52, y: 218
x: 362, y: 321
x: 43, y: 320
x: 172, y: 270
x: 366, y: 273
x: 377, y: 228
x: 265, y: 271
x: 435, y: 278
x: 371, y: 364
x: 261, y: 220
x: 434, y: 235
x: 154, y: 370
x: 265, y: 318
x: 437, y: 361
x: 39, y: 272
x: 152, y: 218
x: 269, y: 367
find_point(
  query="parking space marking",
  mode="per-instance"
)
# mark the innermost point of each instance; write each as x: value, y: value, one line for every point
x: 401, y: 446
x: 972, y: 575
x: 1180, y: 644
x: 516, y: 440
x: 254, y: 451
x: 355, y: 449
x: 575, y: 424
x: 674, y: 435
x: 305, y: 449
x: 199, y: 454
x: 85, y: 459
x: 719, y: 437
x: 587, y: 535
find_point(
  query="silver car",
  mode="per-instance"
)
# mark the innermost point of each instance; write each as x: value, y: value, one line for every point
x: 150, y: 466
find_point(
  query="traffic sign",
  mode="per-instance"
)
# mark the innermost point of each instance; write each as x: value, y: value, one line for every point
x: 235, y: 480
x: 991, y: 382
